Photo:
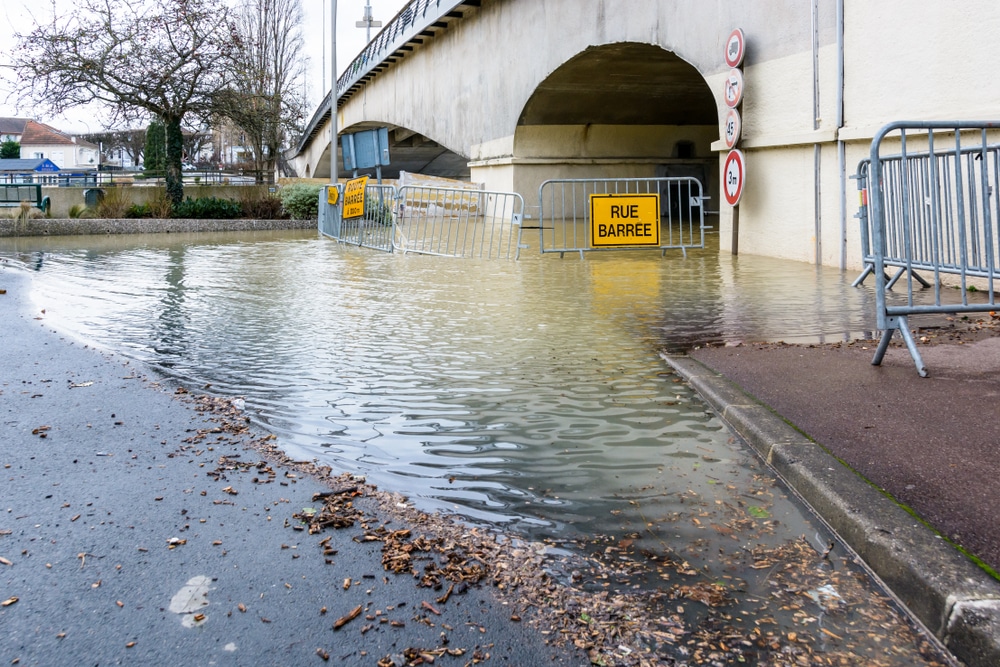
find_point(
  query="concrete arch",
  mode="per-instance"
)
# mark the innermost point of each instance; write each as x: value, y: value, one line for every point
x: 627, y: 109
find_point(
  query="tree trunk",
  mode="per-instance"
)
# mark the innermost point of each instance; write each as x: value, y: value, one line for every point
x: 175, y: 154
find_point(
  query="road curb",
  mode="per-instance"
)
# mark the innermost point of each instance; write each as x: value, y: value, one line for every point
x: 950, y: 595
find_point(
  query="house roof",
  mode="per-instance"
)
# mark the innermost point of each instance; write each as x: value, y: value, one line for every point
x: 40, y: 134
x: 30, y: 164
x: 12, y: 125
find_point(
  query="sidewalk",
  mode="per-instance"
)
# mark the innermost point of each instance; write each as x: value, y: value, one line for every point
x: 143, y: 526
x: 929, y: 443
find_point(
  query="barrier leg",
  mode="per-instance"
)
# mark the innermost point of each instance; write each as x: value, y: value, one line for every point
x: 911, y: 345
x: 901, y: 324
x: 895, y: 278
x: 869, y: 269
x: 883, y: 345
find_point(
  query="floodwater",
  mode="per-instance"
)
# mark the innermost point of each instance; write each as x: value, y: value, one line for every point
x: 528, y: 395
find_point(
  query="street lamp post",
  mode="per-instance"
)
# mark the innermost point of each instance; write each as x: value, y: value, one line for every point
x: 333, y: 92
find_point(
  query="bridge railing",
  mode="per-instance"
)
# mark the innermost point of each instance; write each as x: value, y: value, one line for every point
x: 932, y: 210
x: 414, y: 18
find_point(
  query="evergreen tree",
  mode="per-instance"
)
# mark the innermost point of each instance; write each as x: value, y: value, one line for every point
x: 155, y: 156
x: 10, y: 150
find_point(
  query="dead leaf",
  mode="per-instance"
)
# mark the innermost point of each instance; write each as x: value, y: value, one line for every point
x: 344, y: 620
x: 5, y: 561
x: 11, y: 600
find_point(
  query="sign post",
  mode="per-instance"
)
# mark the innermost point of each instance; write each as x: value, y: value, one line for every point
x: 734, y: 166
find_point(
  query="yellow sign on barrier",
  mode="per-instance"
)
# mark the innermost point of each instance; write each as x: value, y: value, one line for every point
x: 332, y: 195
x: 354, y: 197
x: 624, y: 220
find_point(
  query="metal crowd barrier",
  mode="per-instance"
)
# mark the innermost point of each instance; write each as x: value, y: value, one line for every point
x: 375, y: 229
x: 932, y: 211
x: 564, y: 212
x: 448, y: 222
x: 459, y: 223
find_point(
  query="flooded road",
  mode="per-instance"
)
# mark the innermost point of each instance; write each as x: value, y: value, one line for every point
x: 528, y: 395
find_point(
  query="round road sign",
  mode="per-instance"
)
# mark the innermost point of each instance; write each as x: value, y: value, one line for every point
x: 735, y: 48
x: 731, y: 132
x: 734, y: 88
x: 733, y: 176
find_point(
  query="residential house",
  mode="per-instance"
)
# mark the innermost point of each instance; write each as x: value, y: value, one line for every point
x: 39, y: 141
x: 11, y: 129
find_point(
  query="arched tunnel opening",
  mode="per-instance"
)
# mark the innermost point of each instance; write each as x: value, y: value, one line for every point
x: 619, y: 110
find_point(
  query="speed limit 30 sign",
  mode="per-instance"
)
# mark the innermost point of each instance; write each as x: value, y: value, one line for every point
x: 733, y: 176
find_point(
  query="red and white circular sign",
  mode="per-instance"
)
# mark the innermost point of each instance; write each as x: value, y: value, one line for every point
x: 735, y: 47
x: 733, y: 128
x: 733, y: 176
x: 734, y: 88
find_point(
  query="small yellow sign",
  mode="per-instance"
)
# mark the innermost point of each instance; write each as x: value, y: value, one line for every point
x: 354, y: 197
x: 624, y: 220
x: 332, y: 195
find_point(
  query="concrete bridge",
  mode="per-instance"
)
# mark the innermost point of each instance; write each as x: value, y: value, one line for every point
x: 514, y: 92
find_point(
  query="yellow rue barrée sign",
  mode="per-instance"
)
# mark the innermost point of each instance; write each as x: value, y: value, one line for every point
x: 624, y: 220
x: 354, y: 197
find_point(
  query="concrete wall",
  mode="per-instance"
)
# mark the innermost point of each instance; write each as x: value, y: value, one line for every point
x: 914, y: 59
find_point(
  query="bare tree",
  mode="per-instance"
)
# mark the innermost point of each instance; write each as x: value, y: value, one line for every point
x: 264, y: 66
x: 163, y: 58
x: 124, y: 142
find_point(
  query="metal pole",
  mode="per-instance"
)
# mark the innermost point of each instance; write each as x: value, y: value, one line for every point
x: 333, y: 92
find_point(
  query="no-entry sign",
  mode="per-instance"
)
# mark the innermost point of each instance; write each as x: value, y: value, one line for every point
x: 733, y: 176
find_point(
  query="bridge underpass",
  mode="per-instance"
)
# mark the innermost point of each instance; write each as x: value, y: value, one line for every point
x: 408, y: 151
x: 511, y: 93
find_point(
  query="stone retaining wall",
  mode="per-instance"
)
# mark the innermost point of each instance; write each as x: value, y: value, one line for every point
x: 74, y: 226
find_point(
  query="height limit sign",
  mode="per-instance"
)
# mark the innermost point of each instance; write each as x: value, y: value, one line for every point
x: 733, y: 176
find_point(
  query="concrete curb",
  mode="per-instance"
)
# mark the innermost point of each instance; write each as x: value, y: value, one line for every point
x: 955, y: 599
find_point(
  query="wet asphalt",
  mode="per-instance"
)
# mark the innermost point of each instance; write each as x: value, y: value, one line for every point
x: 122, y: 542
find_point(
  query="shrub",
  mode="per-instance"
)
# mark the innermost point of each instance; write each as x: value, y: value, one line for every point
x: 378, y: 211
x: 76, y: 210
x: 116, y: 202
x: 208, y: 208
x: 301, y: 200
x: 259, y: 203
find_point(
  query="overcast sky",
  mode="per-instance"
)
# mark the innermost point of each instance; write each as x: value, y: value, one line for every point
x: 16, y: 17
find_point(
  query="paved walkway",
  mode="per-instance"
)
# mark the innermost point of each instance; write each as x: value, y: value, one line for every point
x: 929, y: 443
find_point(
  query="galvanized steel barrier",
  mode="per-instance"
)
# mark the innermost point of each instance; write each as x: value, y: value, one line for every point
x: 375, y: 228
x: 564, y: 212
x: 459, y: 223
x: 930, y: 210
x: 450, y: 222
